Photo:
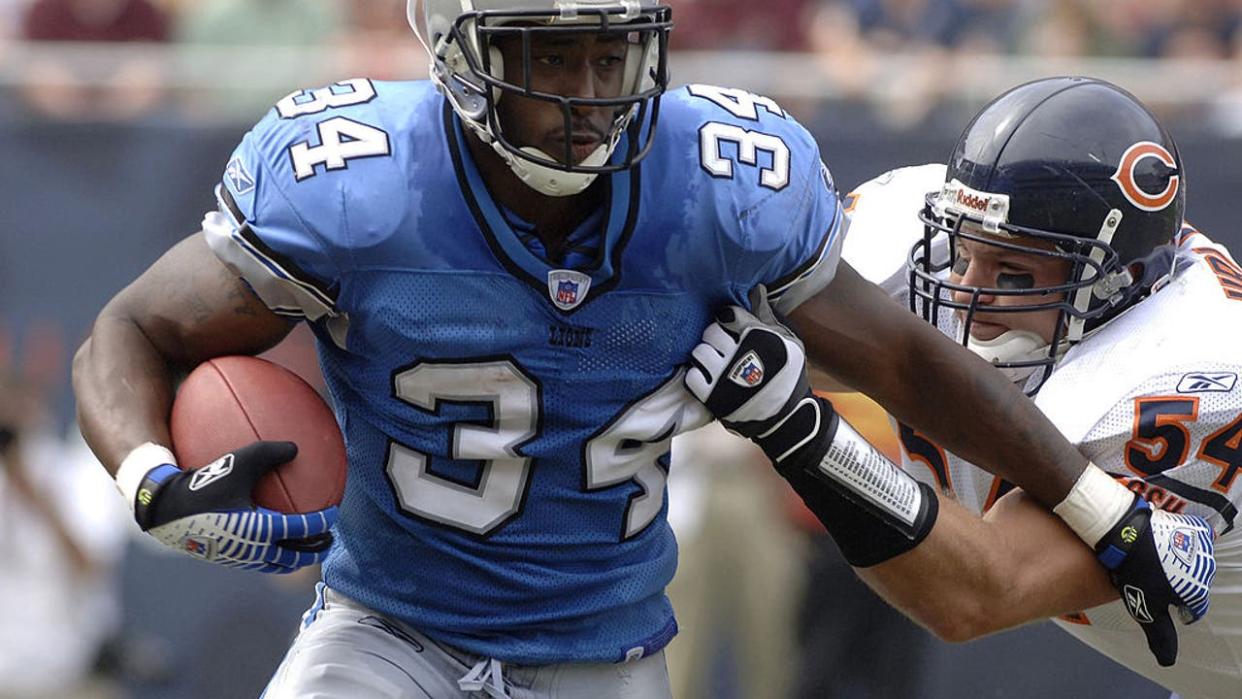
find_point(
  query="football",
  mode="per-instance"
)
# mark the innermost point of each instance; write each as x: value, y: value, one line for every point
x: 229, y: 402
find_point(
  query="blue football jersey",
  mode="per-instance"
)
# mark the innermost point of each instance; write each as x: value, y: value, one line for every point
x: 507, y: 419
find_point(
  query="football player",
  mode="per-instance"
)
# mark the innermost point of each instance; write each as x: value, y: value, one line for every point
x: 505, y: 268
x: 1053, y: 245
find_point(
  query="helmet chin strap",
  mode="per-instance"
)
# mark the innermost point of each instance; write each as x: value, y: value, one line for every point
x: 550, y: 181
x: 1011, y: 346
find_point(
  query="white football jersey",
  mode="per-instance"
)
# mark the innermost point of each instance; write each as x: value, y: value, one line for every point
x: 1153, y: 398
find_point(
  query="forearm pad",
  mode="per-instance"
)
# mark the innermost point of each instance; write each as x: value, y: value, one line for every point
x: 872, y: 508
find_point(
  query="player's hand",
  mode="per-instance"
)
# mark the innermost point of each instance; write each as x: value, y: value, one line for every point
x: 749, y: 370
x: 1158, y: 559
x: 209, y: 513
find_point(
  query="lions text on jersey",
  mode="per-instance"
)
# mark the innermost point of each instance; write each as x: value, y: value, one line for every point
x: 508, y: 419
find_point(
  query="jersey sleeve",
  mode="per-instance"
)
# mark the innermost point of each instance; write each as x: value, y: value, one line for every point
x: 805, y: 248
x: 885, y: 225
x: 262, y: 227
x: 776, y: 213
x: 1176, y: 439
x: 793, y: 238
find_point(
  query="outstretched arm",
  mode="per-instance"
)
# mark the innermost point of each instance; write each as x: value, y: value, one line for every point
x: 861, y: 337
x: 750, y: 373
x: 971, y: 577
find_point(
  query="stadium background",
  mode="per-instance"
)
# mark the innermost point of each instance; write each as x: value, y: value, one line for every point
x: 117, y: 116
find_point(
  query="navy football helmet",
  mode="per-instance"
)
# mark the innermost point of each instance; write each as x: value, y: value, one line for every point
x: 1078, y: 163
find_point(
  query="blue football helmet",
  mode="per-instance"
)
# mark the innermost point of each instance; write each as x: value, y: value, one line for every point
x: 1078, y: 163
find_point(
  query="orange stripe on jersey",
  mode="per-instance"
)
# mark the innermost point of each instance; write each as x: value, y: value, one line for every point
x: 1076, y: 618
x: 1000, y: 487
x: 1186, y: 233
x: 1228, y: 273
x: 921, y: 449
x: 850, y: 201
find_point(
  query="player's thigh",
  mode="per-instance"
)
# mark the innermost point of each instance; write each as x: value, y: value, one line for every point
x: 348, y: 651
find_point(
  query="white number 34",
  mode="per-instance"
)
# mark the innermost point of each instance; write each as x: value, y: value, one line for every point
x: 341, y: 139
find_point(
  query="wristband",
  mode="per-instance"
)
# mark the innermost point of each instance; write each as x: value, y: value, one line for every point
x: 135, y: 467
x: 1095, y: 503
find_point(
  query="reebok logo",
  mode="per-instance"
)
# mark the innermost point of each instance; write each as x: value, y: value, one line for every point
x: 1207, y: 382
x: 212, y: 472
x: 1136, y: 602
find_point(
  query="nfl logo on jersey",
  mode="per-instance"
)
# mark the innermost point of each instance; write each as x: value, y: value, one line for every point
x: 567, y: 288
x: 748, y: 371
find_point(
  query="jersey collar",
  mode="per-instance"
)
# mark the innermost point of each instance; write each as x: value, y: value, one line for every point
x: 619, y: 220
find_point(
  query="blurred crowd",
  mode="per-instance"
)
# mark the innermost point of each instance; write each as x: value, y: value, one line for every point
x: 370, y: 37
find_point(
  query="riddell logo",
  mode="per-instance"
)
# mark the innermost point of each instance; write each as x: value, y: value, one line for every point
x: 971, y: 201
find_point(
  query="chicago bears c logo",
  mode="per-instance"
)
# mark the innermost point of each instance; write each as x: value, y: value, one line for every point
x: 1125, y: 176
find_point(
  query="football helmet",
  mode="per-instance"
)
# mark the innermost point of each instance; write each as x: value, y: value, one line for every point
x: 1078, y: 163
x: 459, y: 35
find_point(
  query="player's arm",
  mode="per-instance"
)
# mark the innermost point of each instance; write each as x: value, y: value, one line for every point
x: 186, y: 308
x: 971, y: 577
x: 924, y: 379
x: 750, y: 372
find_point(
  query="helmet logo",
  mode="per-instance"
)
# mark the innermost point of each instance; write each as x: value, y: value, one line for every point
x: 1125, y: 176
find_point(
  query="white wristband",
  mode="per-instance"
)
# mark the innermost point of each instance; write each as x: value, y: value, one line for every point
x: 1095, y: 503
x: 135, y: 466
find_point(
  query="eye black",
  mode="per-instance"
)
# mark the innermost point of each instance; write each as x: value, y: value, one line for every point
x: 1015, y: 281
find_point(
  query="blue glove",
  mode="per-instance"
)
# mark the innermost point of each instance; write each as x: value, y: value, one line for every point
x: 1157, y: 559
x: 209, y: 514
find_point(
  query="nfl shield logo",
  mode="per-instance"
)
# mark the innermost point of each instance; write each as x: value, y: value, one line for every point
x: 748, y: 371
x: 197, y: 547
x: 567, y: 288
x: 1183, y: 544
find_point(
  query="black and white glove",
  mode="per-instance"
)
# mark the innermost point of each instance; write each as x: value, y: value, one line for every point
x: 209, y: 513
x: 751, y: 373
x: 1156, y: 560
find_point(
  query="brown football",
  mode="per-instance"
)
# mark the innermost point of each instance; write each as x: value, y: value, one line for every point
x: 229, y: 402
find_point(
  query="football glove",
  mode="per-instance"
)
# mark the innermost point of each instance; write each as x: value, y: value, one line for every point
x: 750, y: 372
x: 1157, y: 559
x: 208, y: 513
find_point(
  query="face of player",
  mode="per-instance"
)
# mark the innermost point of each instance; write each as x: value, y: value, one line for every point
x: 979, y: 264
x: 587, y: 65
